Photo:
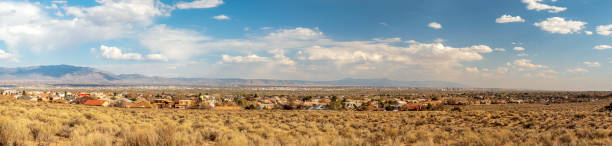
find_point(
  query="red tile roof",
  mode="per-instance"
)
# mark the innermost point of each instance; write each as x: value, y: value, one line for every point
x: 94, y: 102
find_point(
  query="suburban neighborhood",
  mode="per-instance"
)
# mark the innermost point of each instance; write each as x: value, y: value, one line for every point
x: 418, y: 100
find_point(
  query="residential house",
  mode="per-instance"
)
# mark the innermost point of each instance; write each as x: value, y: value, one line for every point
x: 163, y: 103
x: 351, y: 104
x: 97, y: 103
x: 141, y: 103
x: 413, y: 107
x: 265, y: 105
x: 60, y: 100
x: 184, y: 104
x: 317, y: 107
x: 9, y: 92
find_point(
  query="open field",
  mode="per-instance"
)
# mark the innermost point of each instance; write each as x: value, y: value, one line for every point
x: 36, y: 123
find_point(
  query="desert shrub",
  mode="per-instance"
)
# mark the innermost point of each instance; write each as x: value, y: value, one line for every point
x: 232, y: 139
x: 606, y: 108
x: 93, y: 139
x: 139, y: 136
x: 81, y: 125
x: 13, y: 132
x: 166, y: 133
x: 456, y: 109
x: 42, y: 132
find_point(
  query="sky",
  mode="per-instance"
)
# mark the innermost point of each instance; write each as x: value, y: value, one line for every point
x: 524, y: 44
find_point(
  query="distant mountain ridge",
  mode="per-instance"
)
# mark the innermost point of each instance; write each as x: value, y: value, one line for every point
x: 68, y: 75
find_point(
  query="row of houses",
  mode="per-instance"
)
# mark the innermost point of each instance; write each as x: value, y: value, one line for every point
x: 254, y: 101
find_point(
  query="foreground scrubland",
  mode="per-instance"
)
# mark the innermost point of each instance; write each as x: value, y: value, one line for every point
x: 35, y: 123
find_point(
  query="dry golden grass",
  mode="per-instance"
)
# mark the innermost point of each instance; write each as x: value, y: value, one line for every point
x: 35, y: 123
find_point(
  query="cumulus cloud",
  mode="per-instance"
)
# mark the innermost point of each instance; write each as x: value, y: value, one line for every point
x: 547, y: 74
x: 522, y: 55
x: 539, y: 6
x: 588, y: 32
x: 499, y: 49
x: 25, y: 25
x: 518, y: 49
x: 197, y: 4
x: 243, y: 59
x: 560, y: 25
x: 577, y: 70
x: 221, y: 17
x: 509, y: 19
x: 592, y: 64
x: 502, y: 70
x: 472, y: 69
x: 30, y: 25
x: 604, y: 30
x: 602, y: 47
x: 388, y: 40
x: 423, y: 54
x: 176, y: 44
x: 8, y: 56
x: 309, y: 50
x: 525, y: 64
x: 115, y: 53
x: 279, y: 58
x: 157, y: 57
x: 435, y: 25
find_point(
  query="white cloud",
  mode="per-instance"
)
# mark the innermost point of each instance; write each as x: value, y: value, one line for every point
x: 388, y: 40
x: 547, y: 74
x: 588, y: 32
x: 115, y: 53
x: 417, y: 53
x: 502, y: 70
x: 197, y: 4
x: 472, y: 69
x: 509, y: 19
x: 522, y: 55
x: 518, y: 49
x: 221, y: 17
x: 157, y: 57
x: 577, y: 70
x: 121, y: 11
x: 279, y: 58
x: 592, y: 64
x: 602, y: 47
x: 176, y: 44
x: 8, y: 56
x: 243, y: 59
x: 439, y: 40
x: 523, y: 64
x: 604, y: 30
x: 25, y: 25
x: 435, y: 25
x: 560, y: 25
x: 298, y: 33
x: 538, y: 6
x: 310, y: 51
x: 499, y: 49
x: 341, y: 55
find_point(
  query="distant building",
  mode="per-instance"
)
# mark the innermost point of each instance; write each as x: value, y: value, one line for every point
x: 184, y: 104
x: 96, y: 103
x: 136, y: 104
x: 163, y: 103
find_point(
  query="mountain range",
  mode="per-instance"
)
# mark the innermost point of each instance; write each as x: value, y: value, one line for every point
x: 68, y: 75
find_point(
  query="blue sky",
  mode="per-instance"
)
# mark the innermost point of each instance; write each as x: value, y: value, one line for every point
x: 566, y: 43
